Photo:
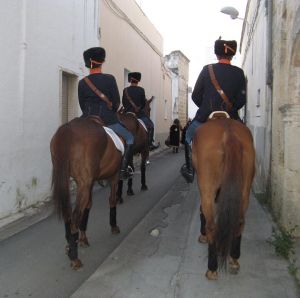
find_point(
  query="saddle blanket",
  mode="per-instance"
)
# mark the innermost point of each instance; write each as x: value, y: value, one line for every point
x: 143, y: 124
x: 116, y: 139
x: 140, y: 120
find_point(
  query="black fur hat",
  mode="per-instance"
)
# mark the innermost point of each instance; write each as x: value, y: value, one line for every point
x: 225, y: 47
x: 135, y: 76
x: 94, y: 57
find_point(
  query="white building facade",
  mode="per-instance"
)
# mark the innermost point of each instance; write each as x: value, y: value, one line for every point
x: 133, y: 44
x: 178, y: 63
x: 41, y: 65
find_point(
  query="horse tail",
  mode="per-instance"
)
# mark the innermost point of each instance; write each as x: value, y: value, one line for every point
x: 229, y: 197
x: 61, y: 173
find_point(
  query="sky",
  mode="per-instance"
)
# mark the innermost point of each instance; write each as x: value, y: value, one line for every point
x: 192, y: 26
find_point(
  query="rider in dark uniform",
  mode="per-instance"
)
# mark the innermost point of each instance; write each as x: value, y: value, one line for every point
x: 232, y: 81
x: 91, y: 104
x: 134, y: 100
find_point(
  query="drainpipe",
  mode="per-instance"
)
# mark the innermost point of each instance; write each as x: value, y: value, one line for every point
x: 269, y: 9
x: 23, y: 48
x: 269, y: 82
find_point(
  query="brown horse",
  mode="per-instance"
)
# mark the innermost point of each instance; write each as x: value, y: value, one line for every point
x: 81, y: 149
x: 141, y: 146
x: 224, y: 160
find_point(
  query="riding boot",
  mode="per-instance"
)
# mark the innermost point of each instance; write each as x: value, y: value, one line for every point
x: 126, y: 172
x: 187, y: 170
x: 152, y: 146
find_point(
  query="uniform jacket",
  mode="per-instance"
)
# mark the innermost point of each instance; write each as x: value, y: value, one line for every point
x: 232, y: 81
x: 137, y: 95
x: 91, y: 104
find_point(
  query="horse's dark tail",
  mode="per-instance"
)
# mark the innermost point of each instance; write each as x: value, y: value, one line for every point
x: 60, y: 173
x: 229, y: 198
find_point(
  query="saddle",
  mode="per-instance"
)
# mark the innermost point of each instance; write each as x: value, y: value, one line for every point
x: 118, y: 141
x: 139, y: 120
x: 96, y: 119
x: 218, y: 115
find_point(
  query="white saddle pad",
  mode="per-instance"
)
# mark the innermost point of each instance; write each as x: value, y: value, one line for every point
x: 116, y: 139
x: 143, y: 124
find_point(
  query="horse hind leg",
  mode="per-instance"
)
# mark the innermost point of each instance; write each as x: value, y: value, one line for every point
x: 235, y: 253
x: 207, y: 201
x: 130, y: 191
x: 119, y: 192
x: 202, y: 237
x: 72, y: 247
x: 72, y: 226
x: 71, y: 235
x: 113, y: 205
x: 143, y: 171
x: 83, y: 240
x: 212, y: 273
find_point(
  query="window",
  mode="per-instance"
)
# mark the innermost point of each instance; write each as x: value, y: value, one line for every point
x: 69, y: 97
x: 126, y: 72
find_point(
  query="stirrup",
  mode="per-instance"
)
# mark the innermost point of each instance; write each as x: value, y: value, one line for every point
x: 187, y: 174
x: 126, y: 174
x: 153, y: 147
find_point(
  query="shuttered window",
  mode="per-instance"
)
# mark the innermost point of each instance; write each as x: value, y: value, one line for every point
x: 69, y: 97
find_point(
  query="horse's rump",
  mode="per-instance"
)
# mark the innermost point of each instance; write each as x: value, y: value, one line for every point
x: 80, y: 149
x: 223, y: 157
x: 136, y: 128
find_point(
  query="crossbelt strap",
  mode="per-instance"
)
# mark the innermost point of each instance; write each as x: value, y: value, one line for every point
x: 136, y: 108
x: 101, y: 95
x: 218, y: 88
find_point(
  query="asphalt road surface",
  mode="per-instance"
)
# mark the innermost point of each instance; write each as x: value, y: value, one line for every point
x: 33, y: 262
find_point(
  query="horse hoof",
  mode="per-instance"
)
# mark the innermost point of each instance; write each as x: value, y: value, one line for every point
x: 202, y: 239
x: 84, y: 242
x: 76, y: 264
x: 115, y: 230
x: 144, y: 187
x: 211, y: 275
x: 130, y: 192
x: 120, y: 200
x: 234, y: 266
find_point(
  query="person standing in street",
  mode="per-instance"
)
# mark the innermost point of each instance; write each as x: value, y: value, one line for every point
x: 175, y: 135
x: 208, y: 98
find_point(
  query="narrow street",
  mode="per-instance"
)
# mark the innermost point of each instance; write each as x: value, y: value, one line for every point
x: 136, y: 263
x: 33, y: 263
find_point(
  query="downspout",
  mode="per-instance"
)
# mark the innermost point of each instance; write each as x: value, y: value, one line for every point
x: 269, y: 82
x: 23, y: 49
x: 269, y: 9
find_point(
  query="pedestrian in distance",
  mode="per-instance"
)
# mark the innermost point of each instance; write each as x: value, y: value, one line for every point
x: 219, y: 87
x: 175, y: 135
x: 99, y: 96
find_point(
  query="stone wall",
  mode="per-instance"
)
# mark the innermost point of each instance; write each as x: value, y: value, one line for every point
x: 285, y: 171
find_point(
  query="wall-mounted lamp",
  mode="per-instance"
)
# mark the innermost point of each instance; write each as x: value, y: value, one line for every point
x: 232, y: 12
